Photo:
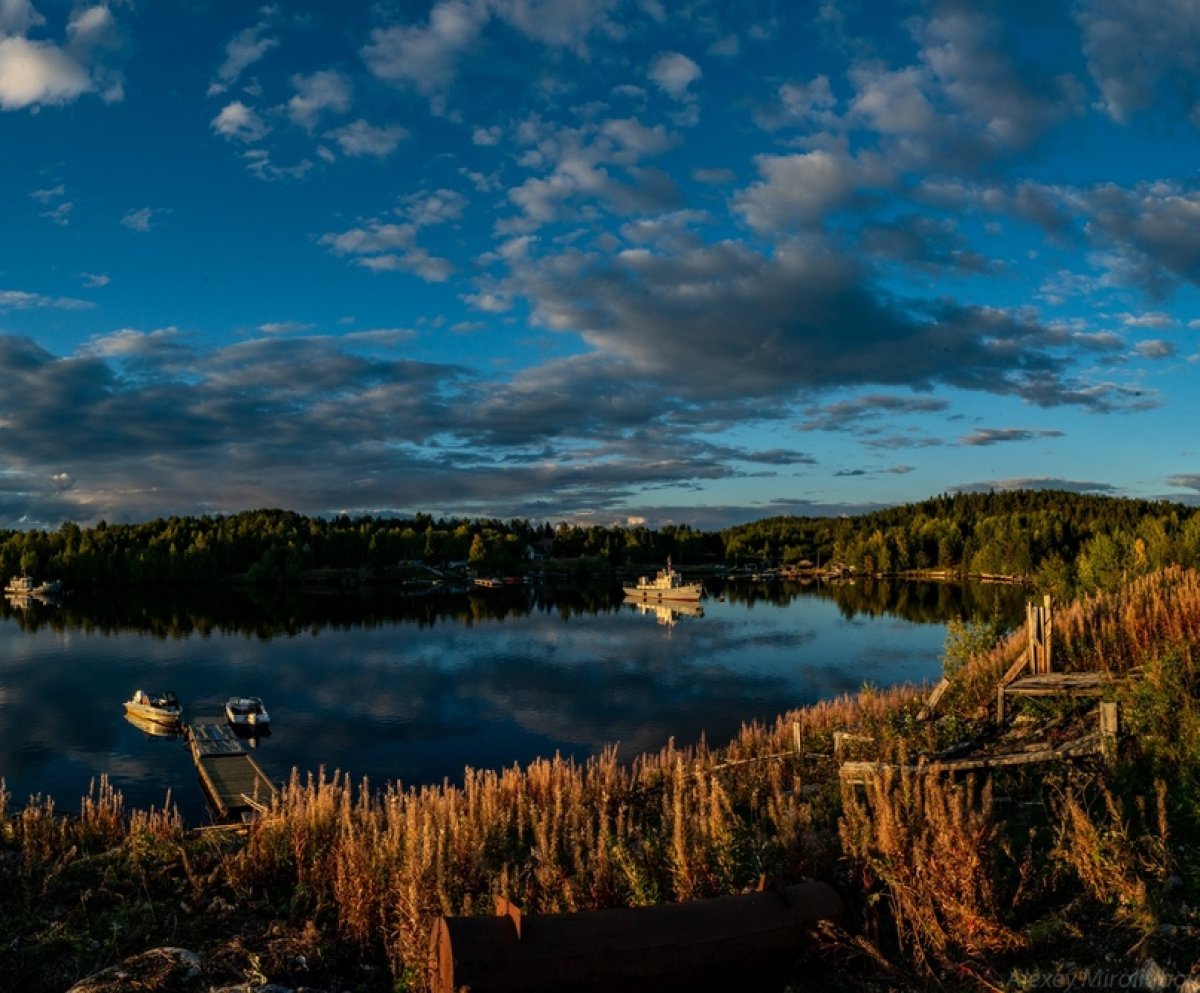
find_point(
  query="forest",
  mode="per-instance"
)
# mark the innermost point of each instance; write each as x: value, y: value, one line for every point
x: 1060, y: 542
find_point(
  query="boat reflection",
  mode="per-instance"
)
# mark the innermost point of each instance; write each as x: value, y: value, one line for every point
x: 250, y: 734
x: 668, y: 615
x: 153, y: 728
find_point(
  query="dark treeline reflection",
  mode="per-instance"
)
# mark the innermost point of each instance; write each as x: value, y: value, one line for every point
x: 265, y: 613
x: 921, y: 602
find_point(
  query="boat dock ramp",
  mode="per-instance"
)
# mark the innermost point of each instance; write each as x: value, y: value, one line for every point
x: 236, y: 785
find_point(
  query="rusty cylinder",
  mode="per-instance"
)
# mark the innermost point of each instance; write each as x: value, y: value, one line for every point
x: 743, y: 942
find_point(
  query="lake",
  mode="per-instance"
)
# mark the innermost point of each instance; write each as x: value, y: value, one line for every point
x: 412, y: 688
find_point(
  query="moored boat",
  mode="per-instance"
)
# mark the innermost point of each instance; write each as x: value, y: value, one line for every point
x: 246, y: 711
x: 668, y: 584
x: 162, y: 708
x: 25, y: 586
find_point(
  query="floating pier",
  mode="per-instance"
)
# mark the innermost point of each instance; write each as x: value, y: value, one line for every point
x: 236, y: 786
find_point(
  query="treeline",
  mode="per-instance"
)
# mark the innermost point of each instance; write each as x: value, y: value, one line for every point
x: 273, y: 547
x: 1062, y: 542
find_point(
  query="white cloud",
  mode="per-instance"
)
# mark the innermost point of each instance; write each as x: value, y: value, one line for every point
x: 327, y: 90
x: 285, y: 327
x: 90, y: 27
x: 49, y: 193
x: 60, y: 213
x: 426, y: 57
x: 489, y: 303
x: 487, y: 136
x: 371, y: 238
x: 1132, y: 47
x: 894, y: 102
x: 360, y: 138
x: 237, y: 122
x: 141, y: 219
x: 387, y: 247
x: 578, y: 159
x: 1151, y: 319
x: 93, y: 280
x: 801, y: 189
x: 18, y: 16
x: 430, y: 268
x: 22, y: 300
x: 33, y: 72
x: 1155, y: 348
x: 438, y: 207
x: 242, y: 51
x: 674, y: 72
x: 558, y: 22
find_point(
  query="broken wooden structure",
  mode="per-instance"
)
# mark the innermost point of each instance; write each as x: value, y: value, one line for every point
x: 1031, y: 675
x: 746, y: 941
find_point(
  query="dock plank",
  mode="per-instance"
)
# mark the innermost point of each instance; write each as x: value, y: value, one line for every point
x: 234, y: 782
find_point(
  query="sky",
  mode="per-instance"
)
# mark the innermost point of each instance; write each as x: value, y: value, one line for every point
x: 598, y: 261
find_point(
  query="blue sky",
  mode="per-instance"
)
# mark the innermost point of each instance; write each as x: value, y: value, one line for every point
x: 594, y: 260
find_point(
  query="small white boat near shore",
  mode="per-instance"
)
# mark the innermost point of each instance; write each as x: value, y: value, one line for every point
x: 163, y: 708
x: 247, y: 712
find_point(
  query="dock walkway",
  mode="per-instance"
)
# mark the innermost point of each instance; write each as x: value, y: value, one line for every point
x: 233, y: 781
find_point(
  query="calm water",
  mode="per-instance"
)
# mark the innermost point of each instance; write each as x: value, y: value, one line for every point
x: 414, y: 688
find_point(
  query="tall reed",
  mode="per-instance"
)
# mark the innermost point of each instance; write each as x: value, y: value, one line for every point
x: 376, y: 865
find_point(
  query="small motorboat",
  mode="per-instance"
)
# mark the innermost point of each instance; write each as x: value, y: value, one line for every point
x: 247, y: 712
x: 163, y: 708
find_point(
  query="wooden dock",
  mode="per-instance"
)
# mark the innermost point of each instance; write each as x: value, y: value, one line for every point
x: 232, y: 780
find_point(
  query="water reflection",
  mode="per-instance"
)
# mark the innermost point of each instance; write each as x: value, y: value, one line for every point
x: 153, y: 729
x: 273, y: 613
x: 667, y: 615
x: 413, y: 687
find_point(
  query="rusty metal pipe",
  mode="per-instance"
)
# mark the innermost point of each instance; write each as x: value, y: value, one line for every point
x: 743, y: 942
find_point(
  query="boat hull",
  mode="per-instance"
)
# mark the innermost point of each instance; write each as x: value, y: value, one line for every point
x: 686, y: 594
x: 162, y: 716
x: 247, y: 713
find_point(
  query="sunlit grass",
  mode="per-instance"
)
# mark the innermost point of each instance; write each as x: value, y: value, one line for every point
x: 942, y: 872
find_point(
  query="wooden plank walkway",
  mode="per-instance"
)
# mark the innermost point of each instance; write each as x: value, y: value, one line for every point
x: 1065, y: 684
x: 233, y: 781
x: 1091, y: 743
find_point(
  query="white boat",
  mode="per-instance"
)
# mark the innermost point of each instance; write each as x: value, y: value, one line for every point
x: 164, y: 708
x: 246, y: 711
x: 25, y: 586
x: 666, y: 585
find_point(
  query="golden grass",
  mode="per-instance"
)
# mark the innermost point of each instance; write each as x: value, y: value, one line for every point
x: 376, y: 866
x: 930, y: 845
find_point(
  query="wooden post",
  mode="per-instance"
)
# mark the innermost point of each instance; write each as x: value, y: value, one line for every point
x: 1110, y: 726
x: 935, y: 698
x: 1047, y: 633
x: 1039, y: 626
x: 1000, y: 705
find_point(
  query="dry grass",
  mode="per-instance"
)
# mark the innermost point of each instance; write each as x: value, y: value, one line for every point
x: 930, y: 846
x: 932, y: 861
